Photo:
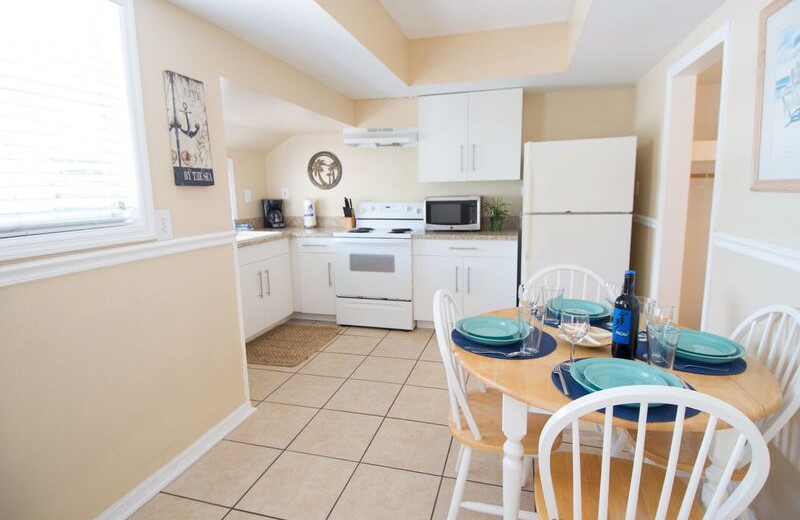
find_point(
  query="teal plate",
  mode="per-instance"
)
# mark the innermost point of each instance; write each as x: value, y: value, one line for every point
x: 703, y: 346
x: 526, y: 331
x: 491, y: 327
x: 593, y: 309
x: 579, y: 368
x: 612, y: 376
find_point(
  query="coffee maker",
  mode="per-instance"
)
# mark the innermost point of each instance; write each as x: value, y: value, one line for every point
x: 273, y: 214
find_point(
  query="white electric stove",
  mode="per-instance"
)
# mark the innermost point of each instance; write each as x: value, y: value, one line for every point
x: 373, y: 265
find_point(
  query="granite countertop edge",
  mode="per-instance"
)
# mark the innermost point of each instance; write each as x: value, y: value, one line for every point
x: 323, y: 232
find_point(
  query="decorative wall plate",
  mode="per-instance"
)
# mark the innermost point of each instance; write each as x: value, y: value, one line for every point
x: 324, y: 170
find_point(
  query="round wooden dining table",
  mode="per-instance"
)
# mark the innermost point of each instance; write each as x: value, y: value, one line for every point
x: 527, y: 387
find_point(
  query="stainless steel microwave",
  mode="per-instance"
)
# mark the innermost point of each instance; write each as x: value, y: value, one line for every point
x: 453, y: 213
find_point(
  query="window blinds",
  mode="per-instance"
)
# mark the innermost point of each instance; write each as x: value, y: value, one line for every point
x: 66, y: 149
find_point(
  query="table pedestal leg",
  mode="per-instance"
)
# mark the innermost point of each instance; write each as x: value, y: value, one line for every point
x: 515, y: 426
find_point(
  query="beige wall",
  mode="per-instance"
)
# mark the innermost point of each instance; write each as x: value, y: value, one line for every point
x: 249, y: 174
x: 108, y: 374
x: 503, y: 53
x: 391, y: 173
x: 739, y: 283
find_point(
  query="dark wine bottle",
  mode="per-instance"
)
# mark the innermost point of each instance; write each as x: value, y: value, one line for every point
x: 624, y: 336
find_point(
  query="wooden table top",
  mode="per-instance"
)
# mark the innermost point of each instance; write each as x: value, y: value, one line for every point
x: 755, y: 391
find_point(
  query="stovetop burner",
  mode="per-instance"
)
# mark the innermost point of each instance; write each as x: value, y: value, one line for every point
x: 361, y: 230
x: 400, y: 230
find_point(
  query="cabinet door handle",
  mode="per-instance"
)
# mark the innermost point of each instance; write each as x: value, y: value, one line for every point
x: 261, y: 284
x: 474, y: 147
x: 468, y: 284
x: 330, y: 278
x: 269, y: 285
x: 463, y: 248
x: 314, y: 245
x: 456, y: 279
x: 462, y: 157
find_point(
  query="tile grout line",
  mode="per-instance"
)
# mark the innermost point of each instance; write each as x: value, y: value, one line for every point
x: 318, y: 410
x: 360, y: 460
x: 283, y: 450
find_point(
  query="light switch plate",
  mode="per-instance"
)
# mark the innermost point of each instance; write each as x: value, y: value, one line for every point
x: 248, y: 195
x: 163, y: 224
x: 284, y: 193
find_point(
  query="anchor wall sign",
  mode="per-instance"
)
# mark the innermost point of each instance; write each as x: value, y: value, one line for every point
x: 188, y: 130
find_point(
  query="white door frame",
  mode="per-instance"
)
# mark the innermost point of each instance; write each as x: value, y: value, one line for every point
x: 676, y: 156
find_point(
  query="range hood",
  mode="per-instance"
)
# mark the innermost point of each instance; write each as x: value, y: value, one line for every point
x: 375, y: 137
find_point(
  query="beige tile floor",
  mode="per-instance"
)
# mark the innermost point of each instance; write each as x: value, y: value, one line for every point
x: 356, y: 432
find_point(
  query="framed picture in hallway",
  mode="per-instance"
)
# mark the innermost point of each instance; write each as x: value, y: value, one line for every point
x: 777, y: 133
x: 188, y: 130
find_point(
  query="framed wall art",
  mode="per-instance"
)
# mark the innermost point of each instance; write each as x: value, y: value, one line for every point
x: 777, y: 133
x: 188, y: 130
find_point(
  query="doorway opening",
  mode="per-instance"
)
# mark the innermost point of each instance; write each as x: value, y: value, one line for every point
x: 689, y: 179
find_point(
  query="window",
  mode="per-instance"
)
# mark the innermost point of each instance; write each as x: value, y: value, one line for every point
x: 72, y: 161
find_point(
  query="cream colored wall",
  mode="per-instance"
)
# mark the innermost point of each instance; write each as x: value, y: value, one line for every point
x: 249, y: 174
x: 391, y: 173
x: 578, y: 113
x: 369, y: 22
x: 108, y: 374
x: 504, y: 53
x: 739, y: 283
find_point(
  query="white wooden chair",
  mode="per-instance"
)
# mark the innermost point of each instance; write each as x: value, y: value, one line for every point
x: 772, y: 336
x: 577, y: 281
x: 475, y: 417
x: 580, y: 485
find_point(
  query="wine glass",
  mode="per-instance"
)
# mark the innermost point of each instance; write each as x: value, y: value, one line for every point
x: 610, y: 295
x: 575, y: 326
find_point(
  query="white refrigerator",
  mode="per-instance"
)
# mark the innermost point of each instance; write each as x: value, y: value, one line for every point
x: 577, y: 205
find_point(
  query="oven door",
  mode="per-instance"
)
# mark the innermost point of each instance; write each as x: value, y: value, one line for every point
x: 377, y: 268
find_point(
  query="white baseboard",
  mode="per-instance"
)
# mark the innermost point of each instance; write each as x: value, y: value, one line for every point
x: 138, y: 496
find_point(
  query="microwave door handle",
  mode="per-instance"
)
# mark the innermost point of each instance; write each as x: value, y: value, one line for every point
x: 462, y: 157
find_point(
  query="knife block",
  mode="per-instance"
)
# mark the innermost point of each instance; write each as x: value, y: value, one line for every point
x: 349, y: 222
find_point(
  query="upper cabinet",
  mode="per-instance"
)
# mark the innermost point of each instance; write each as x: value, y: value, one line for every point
x: 475, y: 136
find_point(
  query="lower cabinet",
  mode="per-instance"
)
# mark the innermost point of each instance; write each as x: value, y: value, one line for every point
x: 481, y: 274
x: 316, y: 283
x: 266, y: 286
x: 315, y: 291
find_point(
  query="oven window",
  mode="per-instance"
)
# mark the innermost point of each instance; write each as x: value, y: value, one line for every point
x: 445, y: 213
x: 372, y: 263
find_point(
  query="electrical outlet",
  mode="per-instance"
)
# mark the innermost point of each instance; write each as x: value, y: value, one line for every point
x: 163, y: 224
x: 248, y: 195
x: 284, y: 193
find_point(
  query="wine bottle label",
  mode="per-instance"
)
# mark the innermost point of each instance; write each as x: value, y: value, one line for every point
x: 622, y: 326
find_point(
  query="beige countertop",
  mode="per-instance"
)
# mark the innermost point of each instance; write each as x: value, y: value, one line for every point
x: 249, y: 238
x: 467, y: 235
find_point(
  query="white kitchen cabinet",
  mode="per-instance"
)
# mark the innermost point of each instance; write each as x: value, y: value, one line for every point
x: 265, y: 276
x: 475, y: 136
x: 443, y: 137
x: 495, y: 135
x: 489, y: 284
x: 316, y: 283
x: 481, y: 274
x: 315, y: 291
x: 432, y: 273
